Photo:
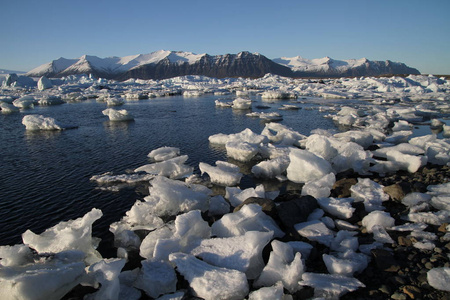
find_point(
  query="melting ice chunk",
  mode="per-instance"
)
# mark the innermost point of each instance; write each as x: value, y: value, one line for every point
x: 224, y: 174
x: 209, y: 282
x: 118, y: 115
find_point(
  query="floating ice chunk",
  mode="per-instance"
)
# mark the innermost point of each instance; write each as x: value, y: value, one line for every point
x: 170, y: 197
x: 242, y: 253
x: 218, y: 206
x: 50, y: 278
x: 236, y: 196
x: 267, y: 117
x: 404, y: 148
x: 370, y: 192
x: 109, y: 178
x: 71, y: 235
x: 249, y: 218
x: 209, y: 282
x: 284, y: 266
x: 333, y: 95
x: 439, y: 278
x: 7, y: 108
x: 25, y: 102
x: 347, y: 120
x: 114, y: 101
x: 223, y: 104
x: 321, y: 187
x: 338, y: 207
x: 39, y: 122
x: 240, y: 103
x: 106, y: 273
x: 281, y: 134
x: 174, y: 168
x: 379, y: 218
x: 16, y: 255
x: 315, y: 231
x: 190, y: 229
x: 330, y: 286
x: 268, y: 293
x: 271, y: 168
x: 164, y: 153
x: 118, y: 115
x: 241, y: 151
x: 247, y: 136
x: 346, y: 264
x: 224, y: 174
x: 44, y: 83
x: 156, y: 278
x: 305, y: 166
x: 407, y: 162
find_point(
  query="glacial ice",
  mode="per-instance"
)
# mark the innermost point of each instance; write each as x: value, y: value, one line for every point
x: 224, y: 174
x: 439, y: 278
x: 305, y: 166
x: 249, y: 218
x: 210, y: 282
x: 118, y: 115
x: 242, y: 253
x: 174, y: 168
x: 284, y: 265
x: 164, y: 153
x: 39, y: 122
x: 70, y: 235
x: 170, y: 197
x: 49, y: 278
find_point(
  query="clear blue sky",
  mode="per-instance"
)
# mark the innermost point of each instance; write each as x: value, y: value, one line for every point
x: 416, y: 32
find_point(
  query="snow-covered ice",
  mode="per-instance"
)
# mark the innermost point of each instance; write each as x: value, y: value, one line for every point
x: 225, y: 174
x: 39, y: 122
x: 118, y: 115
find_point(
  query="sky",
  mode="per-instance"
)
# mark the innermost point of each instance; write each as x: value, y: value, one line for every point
x: 415, y: 32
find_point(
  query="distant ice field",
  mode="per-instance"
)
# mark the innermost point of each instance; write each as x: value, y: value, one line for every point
x: 45, y: 175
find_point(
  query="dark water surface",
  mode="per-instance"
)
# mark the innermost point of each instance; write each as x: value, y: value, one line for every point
x: 44, y: 176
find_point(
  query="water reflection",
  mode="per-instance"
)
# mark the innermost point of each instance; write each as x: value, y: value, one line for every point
x: 35, y: 135
x: 117, y: 126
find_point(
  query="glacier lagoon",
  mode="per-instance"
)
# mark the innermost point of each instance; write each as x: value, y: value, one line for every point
x: 45, y: 174
x: 54, y: 170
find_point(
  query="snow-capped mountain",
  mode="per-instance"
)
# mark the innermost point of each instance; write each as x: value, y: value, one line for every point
x: 326, y: 66
x: 166, y: 64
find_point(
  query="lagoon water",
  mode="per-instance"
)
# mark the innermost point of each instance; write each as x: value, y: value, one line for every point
x: 45, y: 175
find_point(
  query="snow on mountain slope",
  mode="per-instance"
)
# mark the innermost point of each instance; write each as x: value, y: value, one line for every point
x: 299, y: 63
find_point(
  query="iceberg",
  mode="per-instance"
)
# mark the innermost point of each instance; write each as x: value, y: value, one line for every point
x: 118, y: 115
x: 39, y: 122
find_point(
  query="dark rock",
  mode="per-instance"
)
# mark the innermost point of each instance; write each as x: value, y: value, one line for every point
x: 385, y: 260
x: 268, y: 206
x: 341, y: 188
x: 296, y: 210
x: 404, y: 241
x: 398, y: 296
x: 443, y: 227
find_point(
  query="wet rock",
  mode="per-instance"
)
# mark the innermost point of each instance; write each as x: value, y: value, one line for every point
x: 296, y: 210
x: 385, y: 260
x: 404, y: 241
x: 398, y: 296
x: 443, y: 227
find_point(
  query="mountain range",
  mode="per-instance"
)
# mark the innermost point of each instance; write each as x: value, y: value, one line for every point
x: 166, y: 64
